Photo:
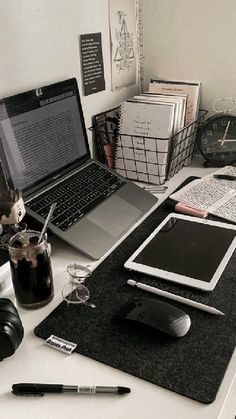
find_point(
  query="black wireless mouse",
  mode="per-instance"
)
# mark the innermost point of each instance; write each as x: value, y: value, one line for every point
x: 156, y: 314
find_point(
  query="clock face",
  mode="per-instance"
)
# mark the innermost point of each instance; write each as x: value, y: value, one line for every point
x: 218, y: 139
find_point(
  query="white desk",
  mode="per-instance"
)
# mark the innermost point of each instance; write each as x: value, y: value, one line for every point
x: 35, y: 362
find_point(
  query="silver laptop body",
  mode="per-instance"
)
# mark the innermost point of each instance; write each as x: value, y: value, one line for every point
x: 43, y: 145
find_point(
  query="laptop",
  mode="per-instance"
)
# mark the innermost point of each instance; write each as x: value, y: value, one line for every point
x: 45, y: 153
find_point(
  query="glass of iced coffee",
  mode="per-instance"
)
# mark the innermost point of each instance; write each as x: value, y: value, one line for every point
x: 31, y: 269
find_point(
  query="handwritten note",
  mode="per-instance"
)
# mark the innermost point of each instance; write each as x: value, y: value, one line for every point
x: 147, y: 119
x: 92, y: 63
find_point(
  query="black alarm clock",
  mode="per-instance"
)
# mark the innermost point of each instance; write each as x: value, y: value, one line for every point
x: 217, y: 139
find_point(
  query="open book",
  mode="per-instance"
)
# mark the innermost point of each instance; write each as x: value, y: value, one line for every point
x: 217, y: 196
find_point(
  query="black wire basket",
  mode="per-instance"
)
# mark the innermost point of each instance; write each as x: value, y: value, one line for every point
x: 145, y: 159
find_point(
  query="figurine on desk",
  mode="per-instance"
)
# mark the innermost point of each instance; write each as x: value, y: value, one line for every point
x: 12, y: 209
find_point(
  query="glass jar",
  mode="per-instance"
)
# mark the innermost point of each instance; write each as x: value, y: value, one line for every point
x: 31, y: 269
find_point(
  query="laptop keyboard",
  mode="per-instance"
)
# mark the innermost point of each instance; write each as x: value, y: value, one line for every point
x: 77, y: 195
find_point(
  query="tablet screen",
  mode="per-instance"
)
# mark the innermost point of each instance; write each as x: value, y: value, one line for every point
x: 184, y: 247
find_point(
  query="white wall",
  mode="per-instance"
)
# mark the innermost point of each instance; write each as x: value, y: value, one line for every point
x: 185, y: 39
x: 39, y: 45
x: 192, y: 39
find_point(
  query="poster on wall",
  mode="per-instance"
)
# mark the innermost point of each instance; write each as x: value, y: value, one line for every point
x: 122, y: 19
x: 92, y: 63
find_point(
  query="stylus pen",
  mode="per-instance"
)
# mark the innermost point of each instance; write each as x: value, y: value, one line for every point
x: 31, y: 389
x: 175, y: 297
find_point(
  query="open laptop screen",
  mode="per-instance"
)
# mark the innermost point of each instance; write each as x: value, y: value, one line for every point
x: 42, y: 133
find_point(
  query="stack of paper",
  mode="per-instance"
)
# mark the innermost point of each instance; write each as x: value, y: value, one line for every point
x: 191, y: 89
x: 178, y: 102
x: 148, y: 126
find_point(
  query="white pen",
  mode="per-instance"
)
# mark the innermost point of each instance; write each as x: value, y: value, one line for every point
x: 154, y: 189
x: 175, y: 297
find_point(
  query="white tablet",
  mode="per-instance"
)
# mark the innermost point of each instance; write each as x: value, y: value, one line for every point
x: 188, y: 250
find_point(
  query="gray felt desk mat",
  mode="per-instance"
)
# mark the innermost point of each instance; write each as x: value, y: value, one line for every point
x: 193, y: 366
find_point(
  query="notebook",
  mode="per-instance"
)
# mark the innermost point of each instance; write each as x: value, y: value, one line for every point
x: 178, y: 101
x: 143, y: 145
x: 45, y: 152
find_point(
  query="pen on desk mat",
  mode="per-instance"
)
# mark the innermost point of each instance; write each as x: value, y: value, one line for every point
x: 36, y: 389
x: 174, y: 297
x: 160, y: 189
x: 224, y: 176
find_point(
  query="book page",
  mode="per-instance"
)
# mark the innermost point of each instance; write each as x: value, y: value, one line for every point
x: 226, y: 208
x: 147, y: 119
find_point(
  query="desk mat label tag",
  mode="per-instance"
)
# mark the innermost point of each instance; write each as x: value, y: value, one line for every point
x: 60, y: 344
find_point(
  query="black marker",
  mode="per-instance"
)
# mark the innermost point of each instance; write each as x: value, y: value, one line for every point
x: 30, y: 389
x: 225, y: 177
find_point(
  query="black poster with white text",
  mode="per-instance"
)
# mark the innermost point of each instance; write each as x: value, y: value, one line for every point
x: 92, y: 63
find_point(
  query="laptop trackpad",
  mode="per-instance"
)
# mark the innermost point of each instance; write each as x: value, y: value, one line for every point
x: 114, y: 216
